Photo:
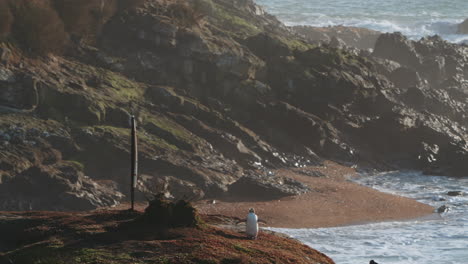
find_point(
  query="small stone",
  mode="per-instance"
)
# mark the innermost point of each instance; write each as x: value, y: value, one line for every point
x: 455, y: 193
x: 5, y: 55
x: 7, y: 76
x: 443, y: 209
x: 463, y: 27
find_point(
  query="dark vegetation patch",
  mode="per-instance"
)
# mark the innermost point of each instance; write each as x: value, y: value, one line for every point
x: 46, y: 26
x: 6, y: 18
x: 162, y: 213
x: 85, y: 18
x: 37, y: 27
x: 187, y: 14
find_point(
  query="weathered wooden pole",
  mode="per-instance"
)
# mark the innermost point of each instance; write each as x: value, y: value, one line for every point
x: 134, y: 162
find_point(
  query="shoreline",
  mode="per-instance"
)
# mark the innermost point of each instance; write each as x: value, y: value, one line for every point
x: 334, y: 201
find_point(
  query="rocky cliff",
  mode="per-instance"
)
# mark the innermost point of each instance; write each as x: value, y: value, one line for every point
x: 222, y: 91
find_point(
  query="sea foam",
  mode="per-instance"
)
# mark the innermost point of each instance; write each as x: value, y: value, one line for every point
x: 415, y: 19
x: 433, y: 239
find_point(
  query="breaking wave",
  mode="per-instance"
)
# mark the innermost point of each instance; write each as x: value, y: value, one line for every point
x: 414, y: 19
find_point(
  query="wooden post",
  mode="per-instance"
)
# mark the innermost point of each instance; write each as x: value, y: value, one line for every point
x: 134, y: 162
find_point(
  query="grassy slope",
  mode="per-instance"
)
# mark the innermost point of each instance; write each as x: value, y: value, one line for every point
x: 109, y: 237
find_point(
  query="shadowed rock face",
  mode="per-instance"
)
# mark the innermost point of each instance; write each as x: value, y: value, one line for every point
x: 229, y: 96
x: 463, y: 27
x: 360, y: 38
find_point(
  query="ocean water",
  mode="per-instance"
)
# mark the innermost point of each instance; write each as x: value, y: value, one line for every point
x: 441, y: 239
x: 414, y: 18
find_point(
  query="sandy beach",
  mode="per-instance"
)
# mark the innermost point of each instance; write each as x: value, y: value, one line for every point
x: 333, y: 201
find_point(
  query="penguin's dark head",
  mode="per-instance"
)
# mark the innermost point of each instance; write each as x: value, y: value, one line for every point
x: 373, y: 262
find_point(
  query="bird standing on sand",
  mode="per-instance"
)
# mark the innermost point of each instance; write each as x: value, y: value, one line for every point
x: 251, y: 227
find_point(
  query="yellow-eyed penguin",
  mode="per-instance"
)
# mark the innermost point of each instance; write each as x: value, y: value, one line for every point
x: 251, y: 227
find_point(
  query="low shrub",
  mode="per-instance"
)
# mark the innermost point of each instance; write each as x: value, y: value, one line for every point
x: 6, y: 18
x: 162, y: 213
x: 85, y: 18
x: 37, y: 27
x: 185, y: 13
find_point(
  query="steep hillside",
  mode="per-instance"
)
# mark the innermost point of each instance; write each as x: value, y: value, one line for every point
x: 221, y: 90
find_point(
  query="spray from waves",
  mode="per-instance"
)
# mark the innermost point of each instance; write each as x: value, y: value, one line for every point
x: 416, y: 19
x: 434, y: 239
x: 446, y: 28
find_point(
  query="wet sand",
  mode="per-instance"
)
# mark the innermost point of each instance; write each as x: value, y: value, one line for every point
x: 333, y: 201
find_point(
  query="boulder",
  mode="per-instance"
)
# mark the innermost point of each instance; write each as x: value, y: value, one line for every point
x: 396, y: 47
x: 455, y: 193
x: 59, y: 187
x: 5, y: 55
x: 404, y: 77
x: 18, y: 91
x: 434, y: 69
x: 360, y: 38
x: 337, y: 43
x: 443, y: 209
x: 463, y: 27
x: 263, y: 45
x: 170, y: 187
x: 255, y: 187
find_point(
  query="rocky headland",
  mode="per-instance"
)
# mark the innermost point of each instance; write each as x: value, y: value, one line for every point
x: 463, y: 27
x: 225, y: 95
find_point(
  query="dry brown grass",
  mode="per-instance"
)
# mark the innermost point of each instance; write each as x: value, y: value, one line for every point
x: 113, y: 232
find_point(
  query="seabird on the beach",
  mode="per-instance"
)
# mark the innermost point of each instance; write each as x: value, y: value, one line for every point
x: 251, y: 227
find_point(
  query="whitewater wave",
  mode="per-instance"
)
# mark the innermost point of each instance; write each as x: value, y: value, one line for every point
x: 445, y: 28
x: 434, y: 239
x: 415, y: 19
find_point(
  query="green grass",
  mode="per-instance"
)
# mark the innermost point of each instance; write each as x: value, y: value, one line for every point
x: 244, y: 250
x: 245, y: 28
x: 296, y: 44
x: 119, y: 135
x: 123, y: 88
x: 80, y: 166
x: 173, y: 128
x: 88, y: 255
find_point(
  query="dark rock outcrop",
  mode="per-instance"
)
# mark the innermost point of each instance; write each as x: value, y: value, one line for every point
x: 455, y: 193
x: 360, y: 38
x: 265, y: 187
x: 61, y: 187
x: 396, y: 47
x: 463, y: 27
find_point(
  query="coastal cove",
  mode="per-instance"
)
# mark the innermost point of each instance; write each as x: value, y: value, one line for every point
x: 333, y: 121
x: 434, y: 239
x: 332, y: 201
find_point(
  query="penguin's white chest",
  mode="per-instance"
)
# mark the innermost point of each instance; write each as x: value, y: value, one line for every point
x: 252, y: 225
